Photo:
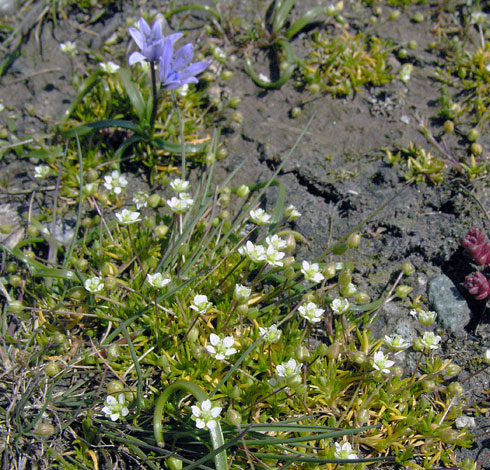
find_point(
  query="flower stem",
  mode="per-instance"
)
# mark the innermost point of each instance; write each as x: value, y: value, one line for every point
x: 199, y: 394
x: 181, y: 131
x: 155, y: 98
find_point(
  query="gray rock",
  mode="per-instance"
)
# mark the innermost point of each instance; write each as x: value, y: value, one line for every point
x: 452, y: 309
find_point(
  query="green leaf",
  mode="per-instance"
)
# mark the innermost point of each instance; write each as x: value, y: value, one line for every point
x: 95, y: 126
x: 134, y: 94
x: 87, y: 85
x: 311, y: 16
x: 281, y: 12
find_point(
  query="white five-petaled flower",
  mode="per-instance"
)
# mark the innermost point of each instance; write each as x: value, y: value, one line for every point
x: 140, y: 198
x: 41, y: 171
x: 274, y: 257
x: 260, y: 216
x: 272, y: 334
x: 311, y: 272
x: 340, y: 306
x: 180, y: 204
x: 127, y: 217
x: 219, y: 348
x: 115, y: 409
x: 311, y: 312
x: 157, y: 280
x: 179, y: 185
x: 253, y: 252
x: 344, y: 451
x: 276, y: 241
x: 115, y: 182
x: 464, y: 421
x: 94, y: 284
x: 241, y: 293
x: 109, y: 67
x: 430, y: 340
x: 69, y: 48
x: 396, y: 342
x: 205, y: 414
x: 288, y: 369
x: 381, y: 363
x: 292, y: 213
x: 201, y: 304
x: 426, y: 318
x: 487, y: 356
x: 478, y: 17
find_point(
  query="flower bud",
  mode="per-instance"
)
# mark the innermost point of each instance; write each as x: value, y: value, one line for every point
x: 92, y: 175
x: 402, y: 291
x: 412, y: 45
x: 314, y: 88
x: 253, y: 313
x: 449, y: 126
x: 113, y: 351
x: 418, y: 345
x: 15, y: 280
x: 173, y: 463
x: 235, y: 102
x: 295, y: 112
x: 362, y: 298
x: 354, y: 240
x: 455, y: 388
x: 330, y: 270
x: 348, y: 290
x: 226, y: 75
x: 290, y: 243
x: 294, y: 381
x: 476, y: 149
x: 363, y: 416
x: 154, y: 201
x: 114, y: 387
x: 242, y: 309
x: 289, y: 272
x: 44, y: 430
x: 345, y: 277
x: 452, y: 370
x: 161, y: 230
x: 233, y: 417
x: 359, y: 357
x: 235, y: 392
x: 237, y: 117
x: 32, y: 231
x: 429, y: 385
x: 110, y: 282
x: 15, y: 307
x: 448, y: 436
x: 333, y: 351
x: 5, y: 228
x: 408, y: 268
x: 340, y: 248
x: 302, y: 353
x: 473, y: 135
x: 243, y: 191
x: 394, y: 15
x: 52, y: 368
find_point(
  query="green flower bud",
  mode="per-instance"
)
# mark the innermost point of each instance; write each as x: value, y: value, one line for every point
x: 397, y: 371
x: 363, y: 417
x: 476, y: 149
x: 412, y: 45
x: 402, y: 53
x: 289, y: 273
x: 449, y: 126
x: 193, y: 334
x: 92, y: 175
x: 448, y: 435
x: 237, y: 117
x: 242, y: 309
x: 198, y: 352
x: 288, y: 261
x: 154, y: 201
x: 15, y: 307
x: 173, y: 463
x: 408, y: 268
x: 294, y: 381
x: 81, y: 264
x: 290, y: 243
x: 77, y: 294
x: 161, y: 230
x: 473, y: 135
x: 452, y: 370
x: 110, y: 283
x: 418, y: 345
x: 184, y: 250
x: 321, y: 350
x: 314, y: 88
x: 226, y: 75
x: 418, y: 17
x: 32, y: 231
x: 233, y: 417
x: 235, y: 392
x: 235, y: 102
x: 362, y: 298
x: 348, y: 290
x: 455, y: 388
x: 52, y: 368
x: 12, y: 267
x: 243, y: 191
x: 295, y: 112
x: 429, y: 385
x: 359, y: 357
x: 333, y: 351
x: 113, y: 351
x: 402, y: 291
x: 330, y: 270
x: 15, y: 280
x: 115, y: 387
x: 302, y: 353
x: 345, y: 277
x: 354, y: 240
x: 394, y: 15
x: 5, y: 228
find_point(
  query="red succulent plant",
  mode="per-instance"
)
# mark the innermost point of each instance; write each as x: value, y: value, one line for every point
x: 476, y: 246
x: 477, y: 285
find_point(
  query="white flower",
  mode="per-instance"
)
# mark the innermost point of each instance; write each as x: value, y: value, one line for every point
x: 115, y: 408
x: 2, y: 107
x: 127, y: 217
x: 478, y: 17
x: 201, y: 304
x: 311, y: 272
x: 272, y: 334
x: 292, y: 213
x: 94, y: 284
x: 487, y: 356
x: 311, y: 312
x: 340, y: 306
x: 274, y: 257
x: 253, y: 252
x: 179, y: 205
x: 41, y: 171
x: 183, y: 90
x: 179, y: 185
x: 276, y: 241
x: 241, y: 293
x: 430, y: 340
x: 381, y: 363
x: 205, y: 414
x: 69, y: 48
x: 396, y: 342
x: 109, y: 67
x: 221, y: 348
x: 90, y: 189
x: 288, y: 369
x: 260, y: 216
x: 115, y: 182
x: 344, y: 451
x: 426, y: 318
x: 464, y: 421
x: 157, y: 280
x: 140, y: 198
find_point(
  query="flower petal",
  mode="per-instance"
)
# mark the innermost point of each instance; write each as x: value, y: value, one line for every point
x: 206, y: 405
x: 182, y: 57
x: 137, y: 37
x: 214, y: 339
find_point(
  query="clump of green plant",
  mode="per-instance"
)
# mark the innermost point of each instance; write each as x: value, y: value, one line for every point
x: 341, y: 65
x: 178, y: 325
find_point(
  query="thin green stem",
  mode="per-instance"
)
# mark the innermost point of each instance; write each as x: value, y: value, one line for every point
x: 155, y: 98
x: 181, y: 131
x: 199, y: 394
